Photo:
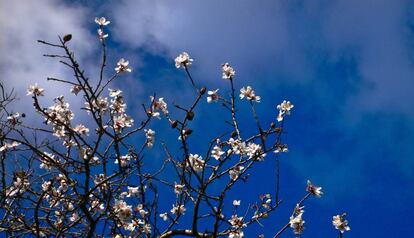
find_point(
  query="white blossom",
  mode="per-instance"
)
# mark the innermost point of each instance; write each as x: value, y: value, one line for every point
x: 114, y: 92
x: 13, y: 118
x: 235, y: 172
x: 123, y: 160
x: 35, y: 90
x: 164, y: 216
x: 237, y: 146
x: 159, y: 104
x: 340, y: 223
x: 100, y: 104
x: 297, y: 224
x: 183, y: 60
x: 228, y: 71
x: 216, y: 152
x: 122, y: 210
x: 284, y: 109
x: 314, y: 190
x: 150, y: 136
x: 123, y: 66
x: 75, y: 89
x: 8, y: 146
x: 212, y: 96
x: 196, y: 162
x: 236, y: 203
x: 101, y: 34
x: 178, y: 209
x: 133, y: 191
x: 249, y: 94
x: 81, y: 129
x: 281, y: 149
x: 254, y: 151
x: 179, y: 188
x: 101, y: 21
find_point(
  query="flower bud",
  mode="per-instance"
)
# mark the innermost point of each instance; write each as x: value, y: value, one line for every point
x: 67, y: 38
x: 203, y: 90
x: 190, y: 115
x: 188, y: 132
x: 234, y: 134
x: 174, y: 124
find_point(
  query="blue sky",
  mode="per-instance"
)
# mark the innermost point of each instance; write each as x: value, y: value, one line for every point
x: 346, y: 65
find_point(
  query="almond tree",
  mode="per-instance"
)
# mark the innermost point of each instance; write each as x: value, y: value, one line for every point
x: 91, y: 180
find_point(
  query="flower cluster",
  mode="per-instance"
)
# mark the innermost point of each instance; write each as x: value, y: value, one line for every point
x: 284, y: 109
x: 296, y: 221
x: 60, y: 116
x: 20, y: 184
x: 237, y: 223
x: 100, y: 105
x: 157, y: 105
x: 118, y: 107
x: 122, y: 210
x: 101, y: 21
x: 196, y: 162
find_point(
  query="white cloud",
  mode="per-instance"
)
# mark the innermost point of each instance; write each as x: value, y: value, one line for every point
x: 244, y: 34
x: 22, y: 23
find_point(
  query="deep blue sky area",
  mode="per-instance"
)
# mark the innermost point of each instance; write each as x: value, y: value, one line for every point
x: 346, y: 65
